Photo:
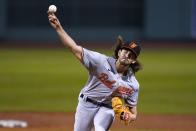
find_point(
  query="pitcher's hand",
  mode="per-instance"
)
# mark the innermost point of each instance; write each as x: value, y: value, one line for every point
x: 53, y: 20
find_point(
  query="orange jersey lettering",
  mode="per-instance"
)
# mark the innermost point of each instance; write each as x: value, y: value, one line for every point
x: 104, y: 79
x: 123, y: 90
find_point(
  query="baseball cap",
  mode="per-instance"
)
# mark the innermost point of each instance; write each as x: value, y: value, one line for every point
x: 133, y: 47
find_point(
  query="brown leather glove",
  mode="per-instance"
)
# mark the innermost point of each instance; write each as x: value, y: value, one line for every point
x: 121, y: 110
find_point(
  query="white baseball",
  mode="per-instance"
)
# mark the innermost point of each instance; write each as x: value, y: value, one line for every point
x: 52, y: 8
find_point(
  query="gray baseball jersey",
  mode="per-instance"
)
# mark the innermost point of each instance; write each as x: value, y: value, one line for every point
x: 104, y: 82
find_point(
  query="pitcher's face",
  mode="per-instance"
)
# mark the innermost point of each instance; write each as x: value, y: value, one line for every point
x: 126, y: 57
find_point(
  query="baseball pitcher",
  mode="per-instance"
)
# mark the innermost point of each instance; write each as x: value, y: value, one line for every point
x: 111, y: 80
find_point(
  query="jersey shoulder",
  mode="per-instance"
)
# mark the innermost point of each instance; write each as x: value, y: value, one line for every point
x: 94, y: 55
x: 133, y: 81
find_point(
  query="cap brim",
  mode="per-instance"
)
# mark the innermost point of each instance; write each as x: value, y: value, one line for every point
x: 130, y: 49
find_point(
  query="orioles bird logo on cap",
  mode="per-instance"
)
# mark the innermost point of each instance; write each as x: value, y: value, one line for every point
x: 132, y: 45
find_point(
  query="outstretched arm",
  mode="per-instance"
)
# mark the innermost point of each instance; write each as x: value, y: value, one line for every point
x: 65, y: 38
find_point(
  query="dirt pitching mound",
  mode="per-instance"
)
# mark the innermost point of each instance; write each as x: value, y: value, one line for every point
x: 40, y: 121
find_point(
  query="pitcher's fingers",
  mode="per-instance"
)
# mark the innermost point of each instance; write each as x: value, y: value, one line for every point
x: 49, y: 12
x: 52, y: 20
x: 52, y: 17
x: 57, y: 22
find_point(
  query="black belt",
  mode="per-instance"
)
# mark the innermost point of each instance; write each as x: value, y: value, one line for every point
x: 96, y: 103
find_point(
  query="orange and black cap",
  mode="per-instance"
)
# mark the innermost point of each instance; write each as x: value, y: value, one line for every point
x: 133, y: 47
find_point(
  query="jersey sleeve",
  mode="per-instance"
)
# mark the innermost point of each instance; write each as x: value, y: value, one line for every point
x: 91, y: 59
x: 131, y: 101
x: 129, y: 92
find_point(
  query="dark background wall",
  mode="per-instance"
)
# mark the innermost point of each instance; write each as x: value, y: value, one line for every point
x: 168, y: 19
x: 98, y: 19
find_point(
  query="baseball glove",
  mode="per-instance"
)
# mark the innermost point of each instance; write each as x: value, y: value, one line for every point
x: 121, y: 110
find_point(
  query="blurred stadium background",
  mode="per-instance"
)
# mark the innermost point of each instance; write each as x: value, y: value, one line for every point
x: 99, y: 19
x: 38, y: 74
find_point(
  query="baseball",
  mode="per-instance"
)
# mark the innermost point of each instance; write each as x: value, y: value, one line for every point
x: 52, y: 8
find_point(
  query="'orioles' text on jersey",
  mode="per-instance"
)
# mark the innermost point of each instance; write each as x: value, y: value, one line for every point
x: 104, y: 82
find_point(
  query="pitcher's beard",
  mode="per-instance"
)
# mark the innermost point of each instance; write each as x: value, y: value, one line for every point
x: 123, y: 62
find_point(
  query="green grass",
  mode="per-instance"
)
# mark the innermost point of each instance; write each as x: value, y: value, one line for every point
x: 50, y: 80
x: 168, y: 82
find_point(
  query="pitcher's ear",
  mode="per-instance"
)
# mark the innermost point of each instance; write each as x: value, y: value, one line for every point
x: 133, y: 62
